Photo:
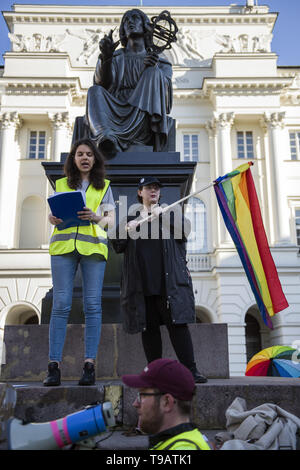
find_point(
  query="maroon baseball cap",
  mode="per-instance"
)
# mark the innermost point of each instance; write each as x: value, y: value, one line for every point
x: 169, y: 376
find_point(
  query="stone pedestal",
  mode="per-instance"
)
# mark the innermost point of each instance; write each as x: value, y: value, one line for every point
x: 119, y: 353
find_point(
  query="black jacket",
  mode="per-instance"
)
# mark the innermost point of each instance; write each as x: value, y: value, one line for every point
x: 178, y: 282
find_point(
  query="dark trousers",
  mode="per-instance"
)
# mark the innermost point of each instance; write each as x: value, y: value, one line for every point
x: 157, y: 314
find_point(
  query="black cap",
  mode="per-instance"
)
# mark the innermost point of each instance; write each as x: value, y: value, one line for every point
x: 149, y: 180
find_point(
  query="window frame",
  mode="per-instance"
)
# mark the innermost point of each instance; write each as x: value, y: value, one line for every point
x: 203, y: 221
x: 246, y: 155
x: 37, y: 145
x: 297, y: 143
x: 191, y: 157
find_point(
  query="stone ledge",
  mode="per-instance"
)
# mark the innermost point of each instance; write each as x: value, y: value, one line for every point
x: 119, y: 353
x: 214, y: 397
x: 38, y: 404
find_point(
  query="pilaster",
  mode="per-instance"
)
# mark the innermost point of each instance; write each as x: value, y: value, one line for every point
x: 224, y: 122
x: 275, y: 125
x: 61, y: 133
x: 9, y: 169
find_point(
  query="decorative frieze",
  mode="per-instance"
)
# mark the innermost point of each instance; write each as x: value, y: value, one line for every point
x: 91, y: 39
x: 38, y: 42
x: 192, y: 47
x: 202, y: 33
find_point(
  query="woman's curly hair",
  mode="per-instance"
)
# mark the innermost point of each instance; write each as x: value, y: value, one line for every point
x: 97, y: 173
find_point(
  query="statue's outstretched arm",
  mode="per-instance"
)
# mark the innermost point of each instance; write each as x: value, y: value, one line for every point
x: 103, y: 73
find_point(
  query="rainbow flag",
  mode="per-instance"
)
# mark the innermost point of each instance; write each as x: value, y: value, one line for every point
x: 239, y: 205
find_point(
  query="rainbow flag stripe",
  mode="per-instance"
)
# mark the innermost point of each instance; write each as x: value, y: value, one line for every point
x: 239, y: 206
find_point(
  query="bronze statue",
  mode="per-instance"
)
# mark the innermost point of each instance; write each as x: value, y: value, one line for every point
x: 131, y: 97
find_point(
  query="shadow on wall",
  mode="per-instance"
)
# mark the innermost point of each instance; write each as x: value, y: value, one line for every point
x: 203, y: 315
x: 257, y: 334
x: 21, y: 314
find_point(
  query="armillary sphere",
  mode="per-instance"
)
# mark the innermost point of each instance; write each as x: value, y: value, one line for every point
x: 163, y: 32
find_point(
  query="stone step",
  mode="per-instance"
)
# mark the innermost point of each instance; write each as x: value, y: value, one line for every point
x: 26, y: 351
x: 36, y: 403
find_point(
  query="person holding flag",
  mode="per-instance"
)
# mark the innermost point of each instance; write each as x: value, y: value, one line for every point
x: 156, y: 286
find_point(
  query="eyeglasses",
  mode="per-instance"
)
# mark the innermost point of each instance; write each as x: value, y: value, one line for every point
x: 145, y: 394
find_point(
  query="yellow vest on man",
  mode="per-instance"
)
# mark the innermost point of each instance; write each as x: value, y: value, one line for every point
x: 86, y: 239
x: 188, y: 440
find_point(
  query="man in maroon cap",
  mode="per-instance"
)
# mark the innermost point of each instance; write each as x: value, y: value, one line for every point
x: 165, y: 392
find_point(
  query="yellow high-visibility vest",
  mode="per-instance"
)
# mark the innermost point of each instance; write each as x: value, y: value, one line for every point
x: 188, y: 440
x: 86, y: 239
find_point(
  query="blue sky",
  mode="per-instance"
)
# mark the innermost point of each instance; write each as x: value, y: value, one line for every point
x: 286, y: 32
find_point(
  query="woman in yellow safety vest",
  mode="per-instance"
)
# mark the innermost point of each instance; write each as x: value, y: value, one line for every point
x: 85, y: 245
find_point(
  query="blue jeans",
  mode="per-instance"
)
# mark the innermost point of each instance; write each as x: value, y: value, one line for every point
x: 64, y: 268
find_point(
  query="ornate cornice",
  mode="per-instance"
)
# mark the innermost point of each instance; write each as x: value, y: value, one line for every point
x: 245, y: 86
x: 189, y: 93
x: 115, y: 20
x: 88, y: 15
x: 37, y: 86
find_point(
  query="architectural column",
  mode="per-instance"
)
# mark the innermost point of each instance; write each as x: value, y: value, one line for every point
x: 215, y: 215
x: 224, y: 124
x: 275, y: 123
x: 10, y: 122
x: 60, y: 135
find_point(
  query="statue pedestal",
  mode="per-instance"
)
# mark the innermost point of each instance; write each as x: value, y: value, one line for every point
x: 124, y: 171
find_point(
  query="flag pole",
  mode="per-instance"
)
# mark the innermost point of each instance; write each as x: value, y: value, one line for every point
x: 189, y: 195
x: 177, y: 202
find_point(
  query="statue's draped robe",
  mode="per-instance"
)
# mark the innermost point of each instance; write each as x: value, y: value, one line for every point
x: 135, y: 105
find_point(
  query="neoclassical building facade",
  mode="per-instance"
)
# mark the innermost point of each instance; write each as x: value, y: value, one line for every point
x: 232, y: 103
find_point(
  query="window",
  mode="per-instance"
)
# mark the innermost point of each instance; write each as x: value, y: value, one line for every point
x: 190, y: 148
x: 245, y: 144
x: 196, y: 213
x: 37, y: 145
x: 295, y: 145
x: 297, y: 223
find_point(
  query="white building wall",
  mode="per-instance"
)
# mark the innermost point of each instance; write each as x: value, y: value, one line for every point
x: 225, y: 79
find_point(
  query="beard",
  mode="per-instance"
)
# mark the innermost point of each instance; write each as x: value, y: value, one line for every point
x: 151, y: 423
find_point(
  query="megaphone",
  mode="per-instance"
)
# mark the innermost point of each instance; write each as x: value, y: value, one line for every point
x: 52, y: 435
